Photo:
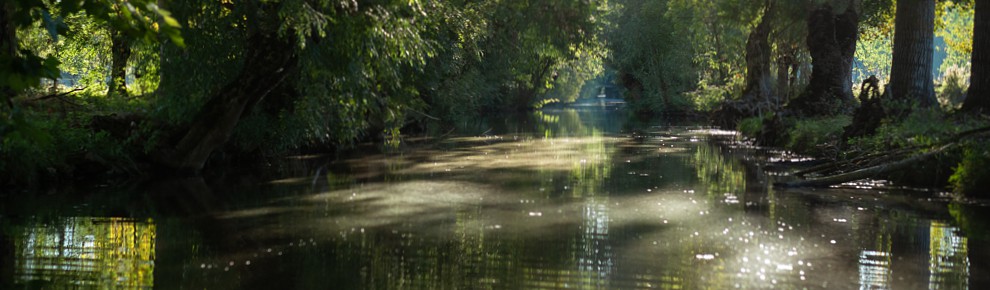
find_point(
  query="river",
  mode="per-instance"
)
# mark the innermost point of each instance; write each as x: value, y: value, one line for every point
x: 553, y: 199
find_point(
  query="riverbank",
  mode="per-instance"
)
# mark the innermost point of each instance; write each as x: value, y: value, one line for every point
x: 930, y: 149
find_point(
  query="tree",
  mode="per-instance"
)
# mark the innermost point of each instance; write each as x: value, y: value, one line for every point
x: 832, y: 43
x: 910, y: 72
x: 22, y: 69
x: 120, y: 50
x: 758, y: 81
x: 977, y: 99
x: 297, y: 73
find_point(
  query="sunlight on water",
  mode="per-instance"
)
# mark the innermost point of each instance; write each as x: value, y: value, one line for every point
x: 574, y: 201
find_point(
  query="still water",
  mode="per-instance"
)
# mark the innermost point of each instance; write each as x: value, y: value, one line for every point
x: 555, y: 199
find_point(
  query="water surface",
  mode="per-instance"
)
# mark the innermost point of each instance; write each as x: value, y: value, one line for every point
x: 555, y: 199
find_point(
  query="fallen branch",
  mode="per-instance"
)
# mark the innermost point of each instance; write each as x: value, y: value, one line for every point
x: 867, y: 172
x: 871, y: 159
x: 424, y: 114
x: 57, y: 95
x: 838, y: 164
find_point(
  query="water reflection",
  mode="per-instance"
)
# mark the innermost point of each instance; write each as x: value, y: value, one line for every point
x: 87, y: 252
x: 559, y: 199
x: 949, y: 261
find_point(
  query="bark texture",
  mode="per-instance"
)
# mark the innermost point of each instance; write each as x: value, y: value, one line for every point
x: 832, y: 44
x: 268, y: 61
x: 914, y: 34
x: 977, y: 99
x: 120, y: 50
x: 759, y: 85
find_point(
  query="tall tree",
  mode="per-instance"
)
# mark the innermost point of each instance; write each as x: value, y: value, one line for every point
x: 979, y: 84
x: 910, y: 71
x: 832, y: 43
x: 758, y: 81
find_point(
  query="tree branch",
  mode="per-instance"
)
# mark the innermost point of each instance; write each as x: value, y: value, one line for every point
x: 57, y: 95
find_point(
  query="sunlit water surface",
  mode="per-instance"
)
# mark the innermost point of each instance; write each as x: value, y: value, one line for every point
x: 556, y: 199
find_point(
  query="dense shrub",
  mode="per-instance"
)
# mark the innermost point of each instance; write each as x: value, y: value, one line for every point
x: 971, y: 176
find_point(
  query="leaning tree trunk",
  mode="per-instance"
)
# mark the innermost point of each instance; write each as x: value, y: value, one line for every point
x: 269, y: 59
x: 120, y: 49
x: 979, y: 83
x: 911, y: 70
x: 832, y: 44
x: 758, y: 80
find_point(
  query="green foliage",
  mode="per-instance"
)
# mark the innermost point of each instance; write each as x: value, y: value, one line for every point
x: 648, y: 47
x: 955, y: 26
x: 138, y: 18
x: 46, y: 147
x: 952, y: 89
x: 367, y: 70
x: 808, y: 136
x: 971, y: 176
x: 708, y: 97
x: 922, y: 127
x: 873, y: 54
x: 751, y: 127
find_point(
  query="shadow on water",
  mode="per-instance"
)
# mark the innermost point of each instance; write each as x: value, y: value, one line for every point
x: 552, y: 199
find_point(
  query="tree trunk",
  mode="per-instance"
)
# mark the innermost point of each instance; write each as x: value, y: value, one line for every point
x: 8, y: 47
x: 911, y: 70
x: 977, y: 99
x: 758, y: 81
x: 120, y: 50
x: 784, y: 64
x: 832, y: 44
x: 268, y: 61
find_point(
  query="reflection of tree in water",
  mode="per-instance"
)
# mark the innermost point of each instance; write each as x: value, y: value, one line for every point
x: 948, y: 257
x: 554, y: 171
x: 724, y: 178
x: 86, y: 252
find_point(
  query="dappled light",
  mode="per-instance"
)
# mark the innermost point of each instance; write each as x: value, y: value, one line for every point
x: 494, y: 144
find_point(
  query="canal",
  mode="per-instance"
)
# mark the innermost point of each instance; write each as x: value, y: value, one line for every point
x: 564, y: 198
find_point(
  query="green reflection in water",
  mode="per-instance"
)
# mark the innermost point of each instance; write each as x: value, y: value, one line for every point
x: 724, y: 178
x: 572, y: 204
x: 948, y: 257
x: 86, y: 252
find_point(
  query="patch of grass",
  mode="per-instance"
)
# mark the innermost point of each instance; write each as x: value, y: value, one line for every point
x: 810, y: 136
x: 922, y: 127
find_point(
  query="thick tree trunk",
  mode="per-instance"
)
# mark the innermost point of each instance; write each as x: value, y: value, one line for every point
x: 758, y: 80
x: 268, y: 61
x: 911, y: 70
x: 979, y: 83
x: 120, y: 50
x: 832, y: 44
